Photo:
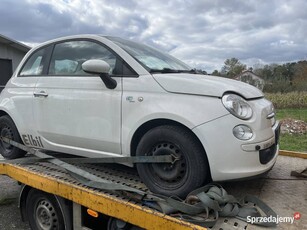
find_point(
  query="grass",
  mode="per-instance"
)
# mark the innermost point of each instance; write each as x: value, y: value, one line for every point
x: 293, y: 142
x: 298, y: 114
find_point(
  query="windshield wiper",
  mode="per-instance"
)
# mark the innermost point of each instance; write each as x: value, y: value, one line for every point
x: 168, y: 70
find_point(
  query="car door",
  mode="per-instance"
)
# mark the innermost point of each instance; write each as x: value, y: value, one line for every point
x: 20, y: 90
x: 75, y: 112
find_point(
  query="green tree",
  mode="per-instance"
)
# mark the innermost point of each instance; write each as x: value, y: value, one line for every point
x: 300, y: 76
x: 200, y: 71
x: 216, y: 73
x: 232, y: 67
x: 283, y: 78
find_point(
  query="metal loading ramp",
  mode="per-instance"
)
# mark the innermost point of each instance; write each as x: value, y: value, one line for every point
x: 282, y: 192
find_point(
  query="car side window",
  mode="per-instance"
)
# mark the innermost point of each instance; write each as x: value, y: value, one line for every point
x: 34, y: 65
x: 67, y: 58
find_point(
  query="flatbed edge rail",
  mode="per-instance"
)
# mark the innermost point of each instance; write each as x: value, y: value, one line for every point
x: 100, y: 202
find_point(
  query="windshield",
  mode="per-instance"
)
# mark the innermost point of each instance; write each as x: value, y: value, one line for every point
x: 150, y: 58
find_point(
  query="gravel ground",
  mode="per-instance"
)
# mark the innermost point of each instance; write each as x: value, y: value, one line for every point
x: 9, y: 212
x: 10, y: 217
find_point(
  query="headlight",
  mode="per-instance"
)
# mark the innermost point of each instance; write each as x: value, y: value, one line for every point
x: 242, y: 132
x: 237, y: 106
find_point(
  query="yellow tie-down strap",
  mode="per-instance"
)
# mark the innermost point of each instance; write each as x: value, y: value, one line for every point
x: 106, y: 204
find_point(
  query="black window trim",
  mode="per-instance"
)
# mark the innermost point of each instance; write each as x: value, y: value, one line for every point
x: 46, y: 60
x: 99, y: 43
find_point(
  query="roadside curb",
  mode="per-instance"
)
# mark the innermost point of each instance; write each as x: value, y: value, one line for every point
x: 293, y: 154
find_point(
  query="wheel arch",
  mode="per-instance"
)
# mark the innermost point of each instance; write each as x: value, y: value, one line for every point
x: 24, y: 191
x: 65, y: 205
x: 8, y: 107
x: 9, y: 129
x: 145, y: 127
x: 3, y: 113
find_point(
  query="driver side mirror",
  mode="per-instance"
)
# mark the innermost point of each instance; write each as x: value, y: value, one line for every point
x: 101, y: 68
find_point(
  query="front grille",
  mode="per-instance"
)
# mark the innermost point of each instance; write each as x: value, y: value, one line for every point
x: 266, y: 155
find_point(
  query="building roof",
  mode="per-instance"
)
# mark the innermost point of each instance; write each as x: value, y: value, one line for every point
x: 246, y: 72
x: 13, y: 43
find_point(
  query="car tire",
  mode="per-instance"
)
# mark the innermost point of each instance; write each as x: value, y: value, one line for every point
x: 8, y: 129
x: 43, y: 211
x: 191, y: 171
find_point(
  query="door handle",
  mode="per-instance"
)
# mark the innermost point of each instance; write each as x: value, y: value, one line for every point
x: 40, y: 94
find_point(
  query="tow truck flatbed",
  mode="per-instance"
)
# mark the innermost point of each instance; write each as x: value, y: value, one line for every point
x: 285, y: 194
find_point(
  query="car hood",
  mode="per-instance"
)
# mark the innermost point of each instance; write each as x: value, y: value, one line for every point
x: 205, y: 85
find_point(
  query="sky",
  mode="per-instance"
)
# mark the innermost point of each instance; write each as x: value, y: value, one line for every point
x: 202, y: 33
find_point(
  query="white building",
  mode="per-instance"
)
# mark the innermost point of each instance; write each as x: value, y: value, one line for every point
x: 11, y: 53
x: 249, y: 77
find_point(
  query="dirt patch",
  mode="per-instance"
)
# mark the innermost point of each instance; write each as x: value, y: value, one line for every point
x: 293, y: 126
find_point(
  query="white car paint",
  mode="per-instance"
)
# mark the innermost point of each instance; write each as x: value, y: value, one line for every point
x: 78, y: 119
x: 206, y: 86
x: 81, y: 116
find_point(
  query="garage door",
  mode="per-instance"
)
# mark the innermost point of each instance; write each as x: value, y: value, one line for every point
x: 6, y: 71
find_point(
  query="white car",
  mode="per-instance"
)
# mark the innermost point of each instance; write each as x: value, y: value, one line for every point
x: 94, y: 96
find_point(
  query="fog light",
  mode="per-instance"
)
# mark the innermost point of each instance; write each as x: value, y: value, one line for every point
x: 242, y: 132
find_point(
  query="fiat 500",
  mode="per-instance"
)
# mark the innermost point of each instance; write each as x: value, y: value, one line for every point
x: 95, y: 96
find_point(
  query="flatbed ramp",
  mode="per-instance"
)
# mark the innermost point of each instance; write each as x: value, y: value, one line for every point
x: 285, y: 194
